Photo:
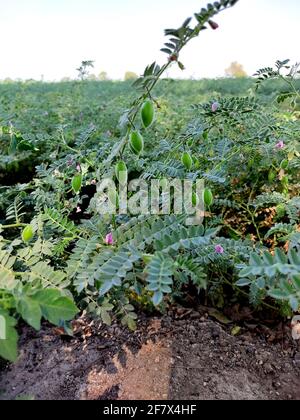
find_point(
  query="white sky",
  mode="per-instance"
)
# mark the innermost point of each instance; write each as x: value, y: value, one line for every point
x: 52, y: 37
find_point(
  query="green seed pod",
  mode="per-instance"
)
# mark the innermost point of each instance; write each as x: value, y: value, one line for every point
x: 280, y: 211
x: 113, y: 198
x: 187, y: 161
x: 284, y: 164
x: 136, y: 142
x: 208, y: 197
x: 272, y: 175
x: 27, y: 233
x: 121, y: 172
x: 147, y: 113
x: 147, y: 258
x: 195, y: 199
x: 77, y: 183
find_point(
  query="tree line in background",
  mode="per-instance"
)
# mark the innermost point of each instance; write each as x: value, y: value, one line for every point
x: 235, y: 70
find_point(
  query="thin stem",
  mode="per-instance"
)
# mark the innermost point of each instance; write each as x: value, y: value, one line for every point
x: 66, y: 146
x: 247, y: 208
x: 292, y: 86
x: 148, y: 89
x: 236, y: 232
x: 15, y: 225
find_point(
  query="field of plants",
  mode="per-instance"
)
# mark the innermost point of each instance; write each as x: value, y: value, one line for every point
x: 60, y: 257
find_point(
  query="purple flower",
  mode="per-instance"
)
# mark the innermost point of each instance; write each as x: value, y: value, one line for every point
x: 213, y: 25
x: 280, y: 145
x: 109, y: 240
x: 219, y: 249
x: 215, y: 106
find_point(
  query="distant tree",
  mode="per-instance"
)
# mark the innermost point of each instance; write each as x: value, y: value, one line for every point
x: 66, y: 79
x: 92, y: 77
x: 130, y: 75
x: 103, y: 75
x: 84, y: 69
x: 236, y: 70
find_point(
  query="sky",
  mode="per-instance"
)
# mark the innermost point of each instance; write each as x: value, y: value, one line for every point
x: 52, y: 37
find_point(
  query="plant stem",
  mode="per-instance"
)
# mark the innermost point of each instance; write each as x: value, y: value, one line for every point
x: 66, y: 146
x: 16, y: 225
x: 148, y: 89
x: 236, y: 232
x: 235, y: 287
x: 247, y: 208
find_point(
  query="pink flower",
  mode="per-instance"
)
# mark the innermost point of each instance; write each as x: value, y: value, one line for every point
x: 78, y: 167
x: 280, y: 145
x: 219, y: 249
x: 93, y: 182
x: 215, y: 106
x: 213, y: 25
x: 109, y: 240
x: 78, y: 210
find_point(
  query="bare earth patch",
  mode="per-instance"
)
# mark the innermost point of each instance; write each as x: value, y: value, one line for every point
x: 165, y: 359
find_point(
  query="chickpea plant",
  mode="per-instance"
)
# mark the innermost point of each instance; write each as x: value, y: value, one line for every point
x: 59, y: 256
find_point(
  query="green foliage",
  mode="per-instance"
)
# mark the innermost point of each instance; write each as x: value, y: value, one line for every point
x: 159, y: 276
x: 276, y: 275
x: 36, y: 291
x: 289, y: 77
x: 57, y: 221
x: 78, y: 269
x: 49, y: 304
x: 8, y: 346
x: 57, y: 252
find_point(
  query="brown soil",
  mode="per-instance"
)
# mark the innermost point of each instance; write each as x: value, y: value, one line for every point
x: 190, y: 358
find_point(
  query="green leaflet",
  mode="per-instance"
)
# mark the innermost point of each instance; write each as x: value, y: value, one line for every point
x: 59, y: 222
x: 143, y: 231
x: 7, y: 276
x: 79, y: 264
x: 49, y: 304
x: 43, y: 272
x: 159, y: 276
x: 8, y: 343
x: 30, y: 310
x: 185, y: 238
x: 278, y: 274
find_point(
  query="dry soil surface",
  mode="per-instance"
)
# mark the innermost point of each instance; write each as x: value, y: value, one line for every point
x: 190, y: 358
